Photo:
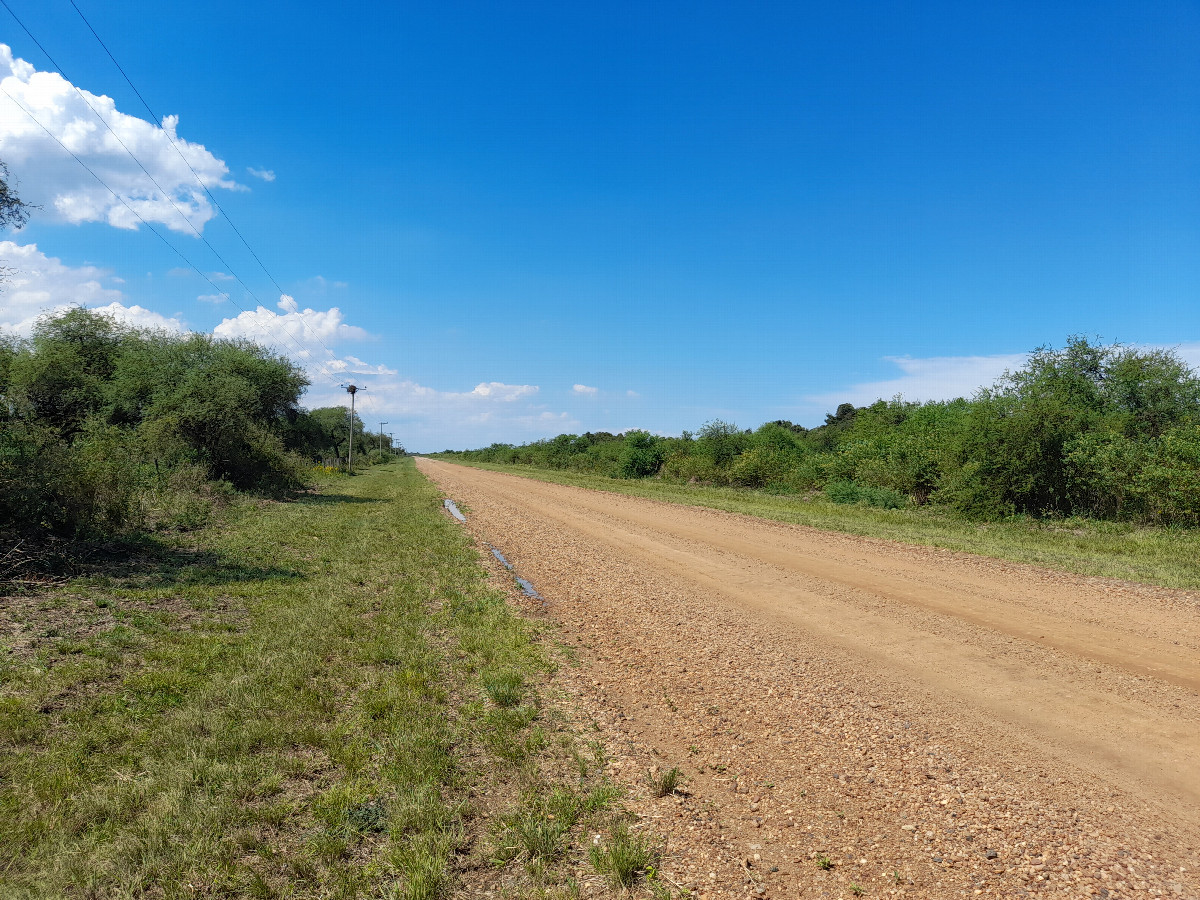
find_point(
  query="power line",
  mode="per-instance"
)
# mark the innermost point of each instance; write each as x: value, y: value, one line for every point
x: 133, y: 211
x: 186, y: 162
x: 304, y: 324
x: 166, y: 194
x: 324, y: 372
x: 116, y: 196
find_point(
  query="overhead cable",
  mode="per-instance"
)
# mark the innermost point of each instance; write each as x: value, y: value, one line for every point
x: 135, y: 213
x: 304, y: 324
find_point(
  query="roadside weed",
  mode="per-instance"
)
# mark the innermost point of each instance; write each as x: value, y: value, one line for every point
x: 666, y: 782
x: 602, y: 796
x: 422, y: 865
x: 624, y: 856
x: 504, y: 688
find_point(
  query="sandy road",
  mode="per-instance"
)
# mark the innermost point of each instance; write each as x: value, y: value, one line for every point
x: 1092, y: 684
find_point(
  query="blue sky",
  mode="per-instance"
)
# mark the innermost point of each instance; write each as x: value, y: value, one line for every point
x: 746, y: 211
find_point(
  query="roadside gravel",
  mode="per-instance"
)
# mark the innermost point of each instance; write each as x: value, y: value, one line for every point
x: 813, y: 769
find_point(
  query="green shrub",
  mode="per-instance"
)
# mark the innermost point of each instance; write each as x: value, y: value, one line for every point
x: 1169, y: 485
x: 761, y: 466
x: 1101, y: 431
x: 640, y: 456
x: 851, y: 492
x: 687, y: 467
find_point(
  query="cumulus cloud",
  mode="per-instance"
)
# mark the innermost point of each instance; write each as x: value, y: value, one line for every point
x: 426, y: 418
x: 584, y: 390
x: 352, y: 365
x: 213, y: 298
x: 264, y: 174
x: 49, y: 177
x: 506, y: 393
x: 294, y: 331
x: 306, y: 336
x: 39, y: 283
x: 931, y: 378
x: 140, y: 317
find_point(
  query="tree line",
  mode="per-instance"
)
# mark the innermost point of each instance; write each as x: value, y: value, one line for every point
x: 1107, y: 432
x: 106, y: 428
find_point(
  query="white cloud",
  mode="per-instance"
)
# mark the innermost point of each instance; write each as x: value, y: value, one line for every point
x: 1188, y: 352
x: 298, y: 332
x: 633, y: 395
x: 320, y: 285
x: 932, y: 378
x: 41, y: 283
x: 264, y: 174
x: 48, y: 176
x: 140, y: 317
x: 584, y: 390
x: 352, y: 365
x: 426, y: 418
x: 948, y: 377
x: 213, y: 298
x: 506, y: 393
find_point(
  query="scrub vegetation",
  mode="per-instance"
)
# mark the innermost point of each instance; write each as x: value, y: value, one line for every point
x: 319, y: 698
x: 110, y: 431
x: 1087, y: 458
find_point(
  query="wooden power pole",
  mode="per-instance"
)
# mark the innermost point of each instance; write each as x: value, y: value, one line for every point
x: 351, y: 390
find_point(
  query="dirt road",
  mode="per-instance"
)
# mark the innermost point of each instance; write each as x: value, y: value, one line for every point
x: 927, y: 722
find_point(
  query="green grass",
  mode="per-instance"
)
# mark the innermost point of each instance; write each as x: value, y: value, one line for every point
x: 504, y: 688
x: 663, y: 783
x: 1163, y: 556
x: 300, y: 702
x: 624, y: 857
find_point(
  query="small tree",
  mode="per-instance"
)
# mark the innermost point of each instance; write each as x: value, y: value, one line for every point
x: 14, y: 212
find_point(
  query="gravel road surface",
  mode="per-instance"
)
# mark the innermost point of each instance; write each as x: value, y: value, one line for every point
x: 856, y: 715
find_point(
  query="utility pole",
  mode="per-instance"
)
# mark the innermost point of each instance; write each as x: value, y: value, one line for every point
x: 381, y: 424
x: 351, y: 390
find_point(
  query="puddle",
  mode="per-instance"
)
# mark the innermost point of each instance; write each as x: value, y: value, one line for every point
x: 529, y: 589
x: 500, y: 556
x: 449, y: 504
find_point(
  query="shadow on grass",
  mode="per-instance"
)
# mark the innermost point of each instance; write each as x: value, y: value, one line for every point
x: 31, y: 562
x: 334, y: 499
x: 141, y: 561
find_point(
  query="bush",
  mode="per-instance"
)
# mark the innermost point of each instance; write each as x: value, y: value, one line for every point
x: 640, y: 456
x: 691, y: 468
x: 1102, y: 431
x: 106, y: 428
x: 761, y: 466
x: 1170, y: 483
x: 850, y: 492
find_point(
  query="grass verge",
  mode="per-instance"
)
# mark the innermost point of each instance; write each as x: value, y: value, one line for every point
x: 316, y: 699
x: 1162, y: 556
